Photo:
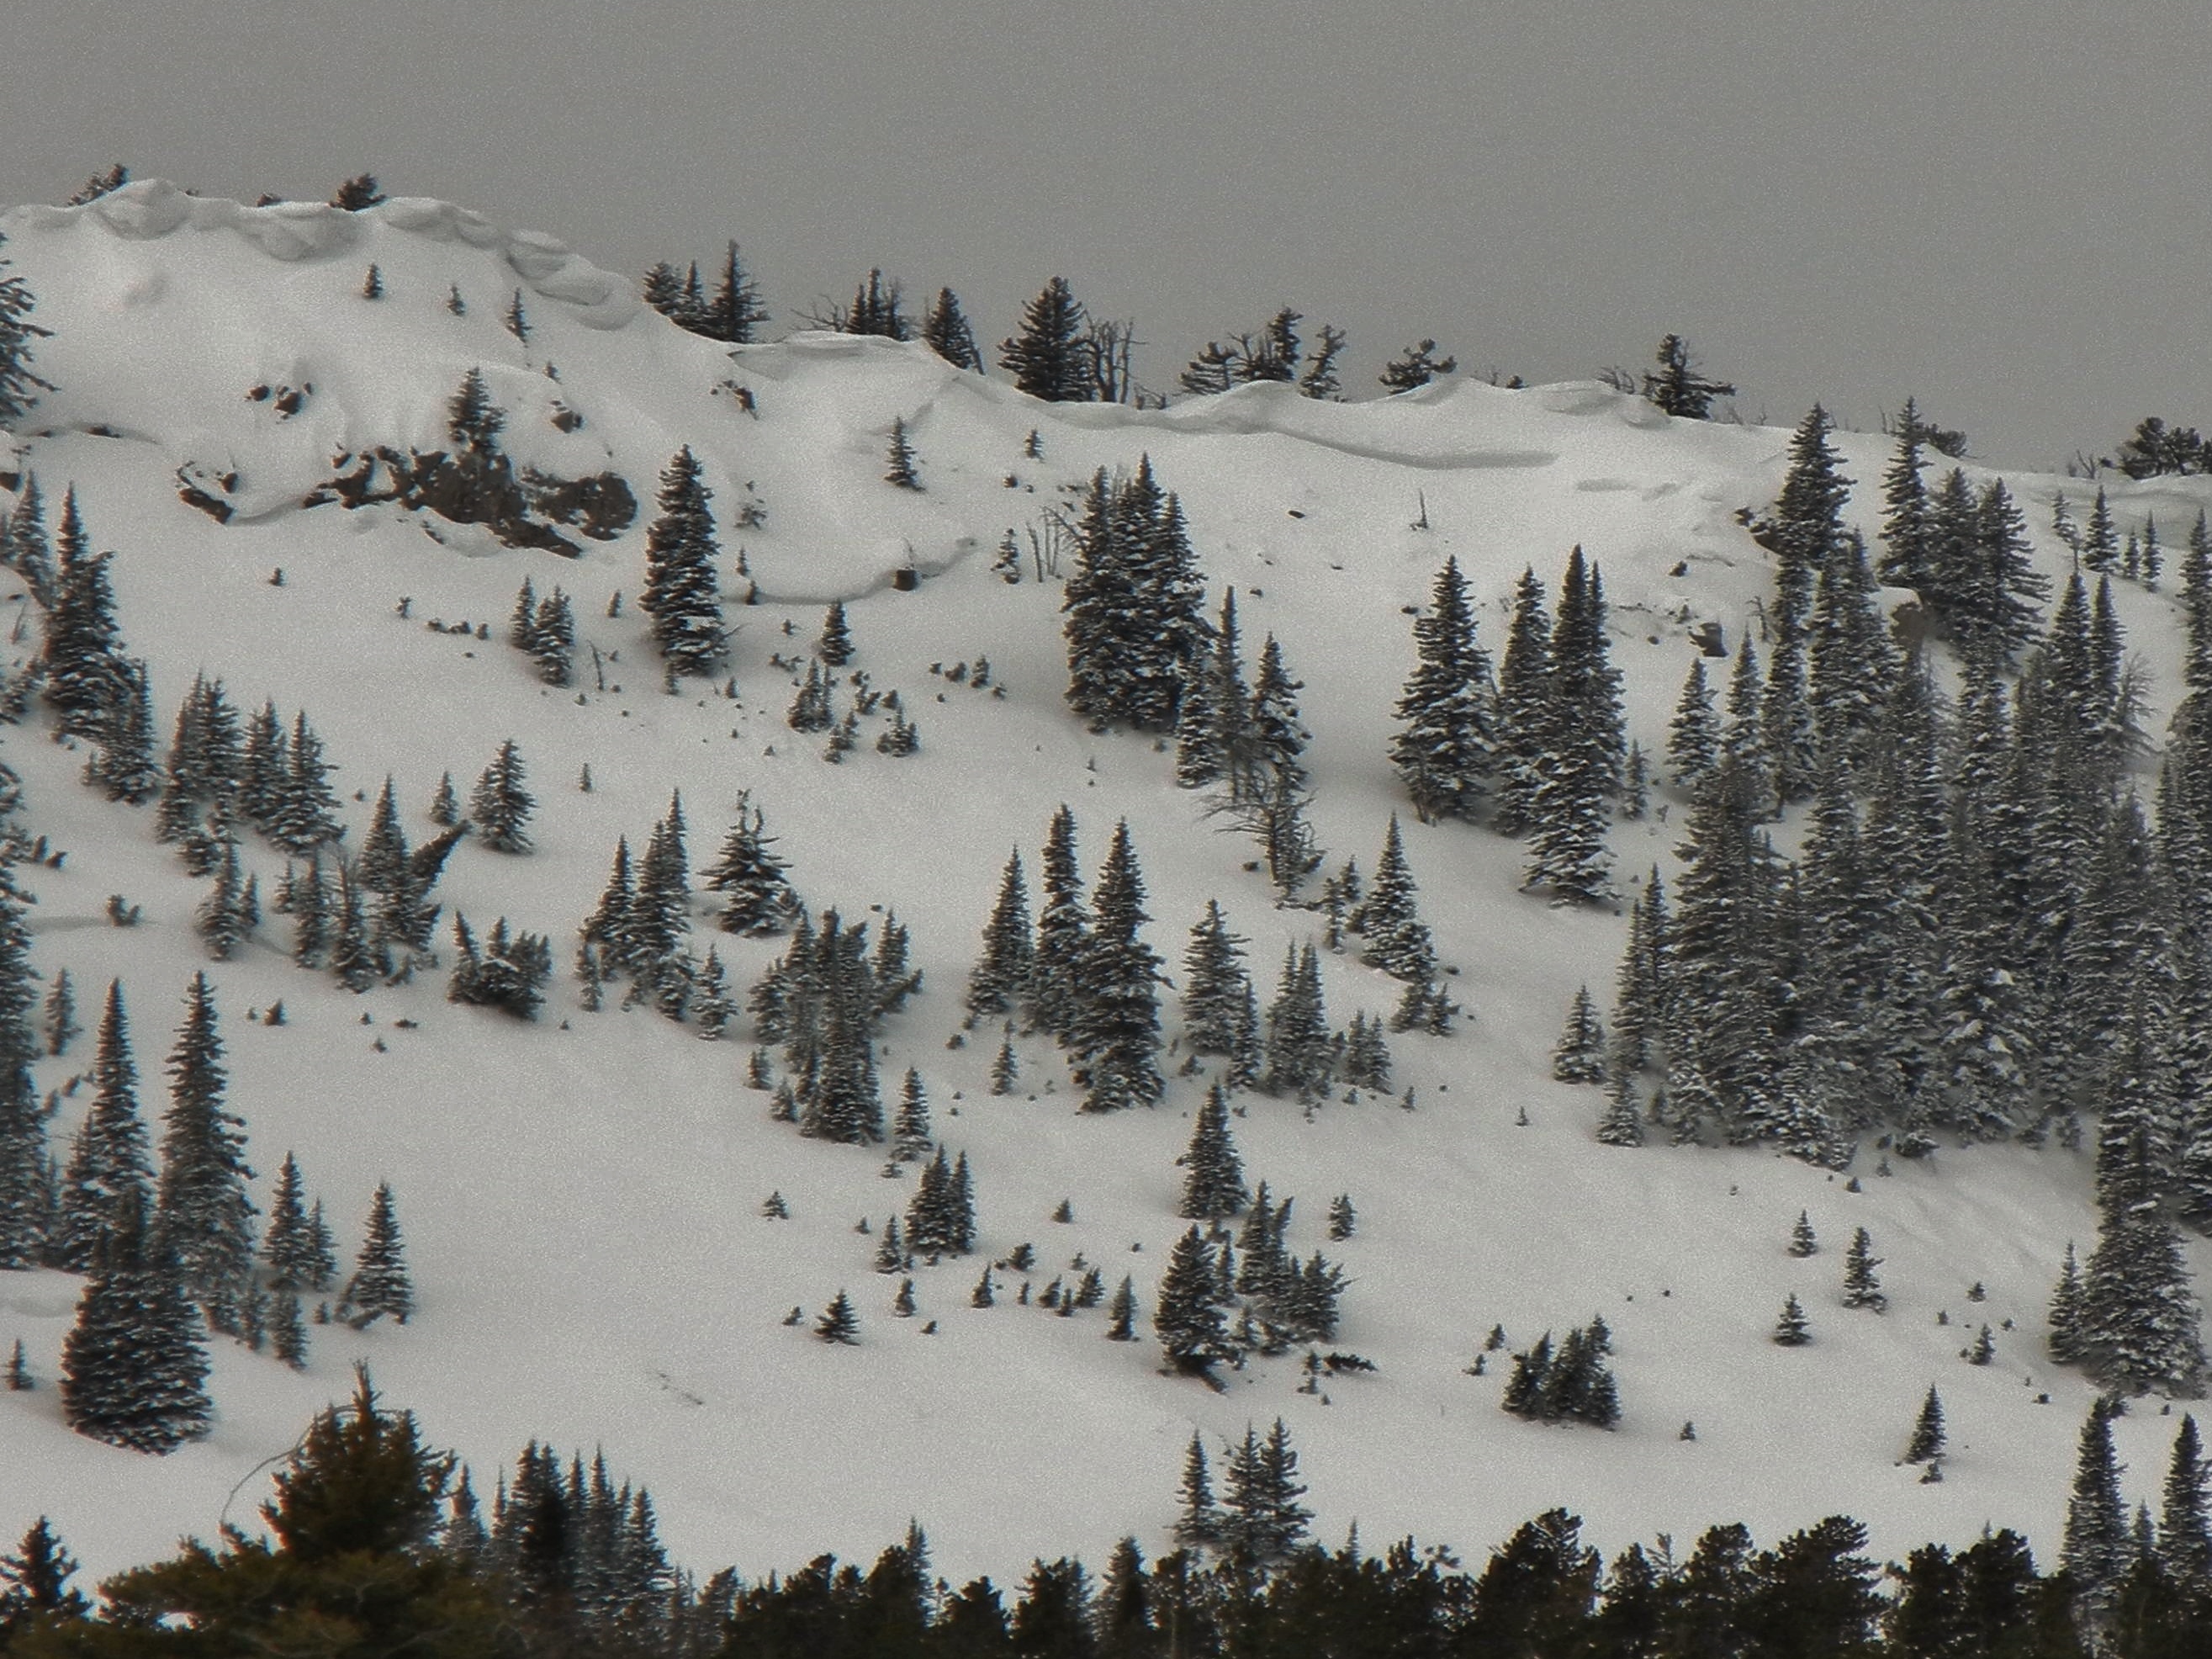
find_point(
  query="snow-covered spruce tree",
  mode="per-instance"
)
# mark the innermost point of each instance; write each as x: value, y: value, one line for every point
x: 1134, y: 622
x: 1216, y: 990
x: 1862, y: 1288
x: 381, y: 863
x: 232, y: 910
x: 1929, y: 1438
x: 1048, y: 359
x: 839, y: 1324
x: 1186, y: 1317
x: 380, y: 1284
x: 25, y: 546
x: 297, y: 1247
x: 999, y: 980
x: 1211, y: 713
x: 1113, y: 1041
x: 1397, y: 940
x: 1199, y: 1521
x: 1907, y: 530
x: 1579, y: 1056
x: 1213, y: 1176
x: 945, y: 331
x: 1265, y: 757
x: 835, y: 643
x: 507, y: 972
x: 1523, y: 705
x: 203, y: 1217
x: 109, y: 1171
x: 1852, y: 658
x: 123, y: 766
x: 2185, y: 1531
x: 1622, y: 1125
x: 1447, y: 751
x: 1807, y: 518
x: 1300, y: 1058
x: 1640, y: 983
x: 1261, y: 1522
x: 940, y: 1220
x: 19, y: 385
x: 1792, y: 1330
x: 1579, y: 758
x: 1063, y: 934
x: 911, y: 1138
x: 683, y: 594
x: 23, y: 1200
x: 757, y: 899
x: 82, y: 656
x: 306, y: 814
x: 499, y: 806
x: 658, y: 917
x: 2139, y: 1324
x: 58, y: 1026
x: 900, y: 467
x: 1693, y: 739
x: 552, y: 640
x: 1786, y: 719
x: 2098, y: 1550
x: 134, y: 1372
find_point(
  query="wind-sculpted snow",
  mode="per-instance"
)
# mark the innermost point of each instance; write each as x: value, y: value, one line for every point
x: 148, y: 209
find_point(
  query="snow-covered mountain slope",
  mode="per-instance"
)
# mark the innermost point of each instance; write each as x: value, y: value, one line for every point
x: 582, y: 1196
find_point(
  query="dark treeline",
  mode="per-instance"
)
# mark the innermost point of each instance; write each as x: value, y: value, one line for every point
x: 376, y: 1545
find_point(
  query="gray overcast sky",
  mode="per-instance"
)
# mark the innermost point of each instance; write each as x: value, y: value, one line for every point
x: 1997, y: 205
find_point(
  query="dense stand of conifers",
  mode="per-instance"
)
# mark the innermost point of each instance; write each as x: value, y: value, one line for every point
x: 375, y: 1544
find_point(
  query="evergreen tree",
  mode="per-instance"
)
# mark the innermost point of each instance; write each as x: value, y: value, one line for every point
x: 1211, y: 714
x: 19, y: 385
x: 1134, y: 621
x: 1213, y: 1181
x: 945, y: 331
x: 1678, y: 388
x: 1928, y: 1440
x: 133, y: 1368
x: 1807, y: 518
x: 1861, y: 1289
x: 1188, y: 1313
x: 1299, y: 1054
x: 1216, y: 990
x: 834, y: 647
x: 1261, y: 1520
x: 203, y: 1218
x: 109, y: 1171
x: 1792, y: 1330
x: 2101, y: 542
x: 25, y: 547
x: 380, y: 1284
x: 1113, y: 1041
x: 1397, y: 940
x: 38, y: 1593
x: 2097, y: 1551
x: 1447, y: 752
x: 499, y: 806
x: 1623, y: 1122
x: 1047, y: 358
x: 757, y: 897
x: 910, y: 1135
x: 1415, y: 366
x: 59, y: 1027
x: 1802, y: 1241
x: 681, y: 591
x: 1523, y: 705
x: 25, y: 1203
x: 899, y: 464
x: 81, y: 658
x: 2184, y: 1536
x: 306, y: 814
x: 1579, y: 1055
x: 1907, y: 530
x: 1063, y: 934
x: 1693, y: 739
x: 1000, y: 979
x: 446, y: 805
x: 297, y: 1246
x: 735, y: 312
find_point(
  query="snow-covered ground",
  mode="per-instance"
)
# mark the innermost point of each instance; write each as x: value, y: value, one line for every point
x: 581, y: 1197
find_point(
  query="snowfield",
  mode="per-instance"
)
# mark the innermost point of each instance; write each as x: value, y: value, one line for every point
x: 581, y: 1197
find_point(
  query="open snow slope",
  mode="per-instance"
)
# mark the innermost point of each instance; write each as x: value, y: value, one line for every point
x: 580, y: 1197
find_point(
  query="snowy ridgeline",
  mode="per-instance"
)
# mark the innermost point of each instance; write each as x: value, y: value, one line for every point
x: 1897, y: 906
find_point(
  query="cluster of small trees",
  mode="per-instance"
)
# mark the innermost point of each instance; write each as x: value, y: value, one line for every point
x: 1572, y: 1383
x: 1275, y: 353
x: 162, y: 1253
x: 732, y: 312
x: 823, y: 1001
x: 640, y: 929
x: 1539, y: 747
